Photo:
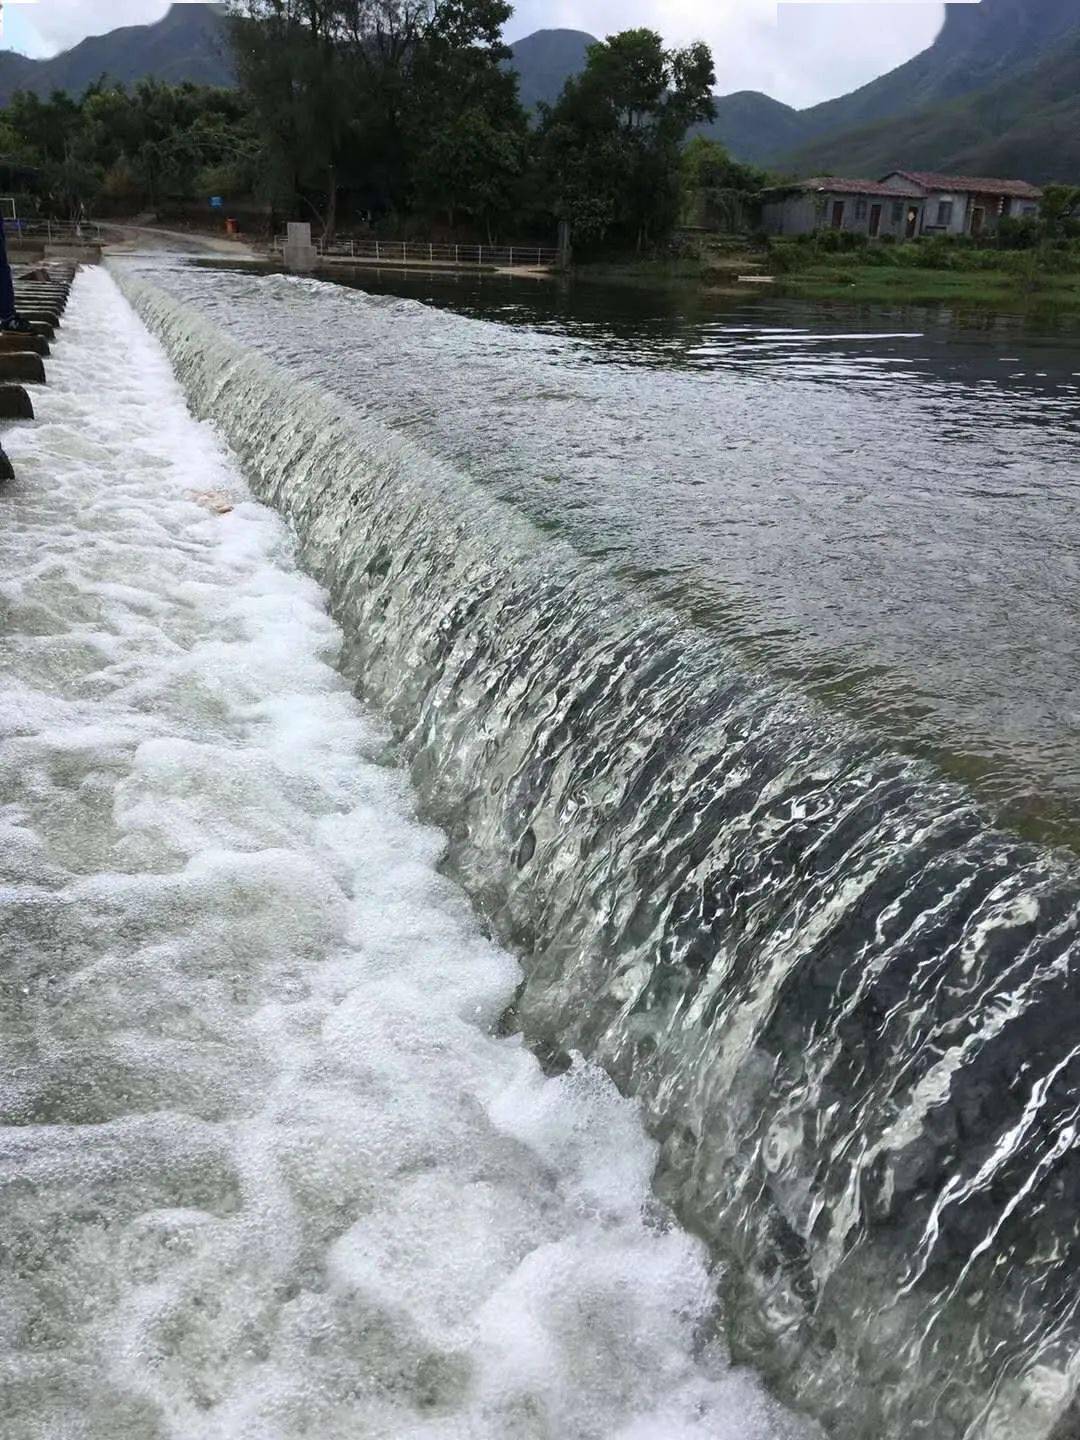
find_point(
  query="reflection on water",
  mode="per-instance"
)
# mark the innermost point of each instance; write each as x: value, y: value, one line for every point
x: 880, y: 503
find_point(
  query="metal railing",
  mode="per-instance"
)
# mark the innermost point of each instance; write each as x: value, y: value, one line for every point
x: 61, y: 231
x: 419, y: 252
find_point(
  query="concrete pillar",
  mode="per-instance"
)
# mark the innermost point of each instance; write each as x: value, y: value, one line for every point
x: 565, y: 248
x: 300, y: 254
x: 15, y: 403
x: 22, y: 365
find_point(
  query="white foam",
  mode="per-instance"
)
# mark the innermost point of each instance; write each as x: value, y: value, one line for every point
x: 266, y: 1170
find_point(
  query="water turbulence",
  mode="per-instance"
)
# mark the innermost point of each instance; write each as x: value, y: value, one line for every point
x: 268, y: 1168
x: 846, y: 1004
x: 843, y: 1001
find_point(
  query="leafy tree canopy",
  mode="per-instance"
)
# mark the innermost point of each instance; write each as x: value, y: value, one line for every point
x: 143, y: 145
x: 402, y: 102
x: 611, y: 143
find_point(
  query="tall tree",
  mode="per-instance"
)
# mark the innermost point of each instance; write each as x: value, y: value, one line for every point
x: 291, y: 64
x: 611, y: 143
x: 403, y: 99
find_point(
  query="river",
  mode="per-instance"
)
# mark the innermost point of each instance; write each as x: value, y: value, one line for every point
x: 683, y: 640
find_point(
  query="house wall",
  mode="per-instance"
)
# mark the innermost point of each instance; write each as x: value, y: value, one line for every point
x: 964, y: 204
x: 894, y: 215
x: 896, y: 182
x: 959, y: 220
x: 791, y: 215
x: 803, y: 214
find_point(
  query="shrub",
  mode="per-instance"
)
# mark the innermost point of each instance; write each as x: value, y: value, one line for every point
x: 1020, y: 232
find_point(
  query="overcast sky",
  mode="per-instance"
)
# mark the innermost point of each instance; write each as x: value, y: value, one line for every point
x: 800, y: 52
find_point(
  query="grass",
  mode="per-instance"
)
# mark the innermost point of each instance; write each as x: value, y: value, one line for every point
x: 844, y: 267
x: 933, y: 272
x: 994, y: 289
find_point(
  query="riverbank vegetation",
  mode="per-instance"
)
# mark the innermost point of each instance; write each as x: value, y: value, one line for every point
x: 411, y: 117
x: 1026, y: 261
x: 362, y: 117
x: 114, y: 151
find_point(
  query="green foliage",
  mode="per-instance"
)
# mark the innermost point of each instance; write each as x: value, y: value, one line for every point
x: 396, y: 110
x: 718, y: 191
x: 133, y: 148
x: 842, y: 252
x: 610, y: 146
x: 401, y: 107
x: 706, y: 166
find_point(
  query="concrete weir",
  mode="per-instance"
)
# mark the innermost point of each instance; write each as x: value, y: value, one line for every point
x: 41, y: 295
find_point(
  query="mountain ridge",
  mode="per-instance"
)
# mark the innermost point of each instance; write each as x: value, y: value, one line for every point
x: 992, y: 91
x: 187, y: 43
x: 1027, y: 124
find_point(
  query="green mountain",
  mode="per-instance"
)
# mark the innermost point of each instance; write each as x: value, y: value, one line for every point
x: 545, y: 61
x: 994, y: 93
x: 753, y: 127
x: 1027, y: 125
x: 978, y: 46
x: 188, y: 43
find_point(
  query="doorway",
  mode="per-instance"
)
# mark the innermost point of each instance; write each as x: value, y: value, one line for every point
x: 875, y: 221
x: 838, y: 215
x: 912, y: 225
x: 978, y: 220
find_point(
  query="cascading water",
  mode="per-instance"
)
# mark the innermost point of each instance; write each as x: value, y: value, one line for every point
x: 845, y: 1001
x: 267, y: 1169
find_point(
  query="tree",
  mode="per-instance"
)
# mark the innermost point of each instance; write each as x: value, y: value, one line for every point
x: 467, y: 129
x: 291, y: 66
x: 716, y: 189
x: 611, y: 143
x: 402, y: 102
x: 150, y: 144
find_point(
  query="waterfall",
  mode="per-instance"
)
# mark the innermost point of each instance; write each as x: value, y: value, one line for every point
x: 845, y: 1001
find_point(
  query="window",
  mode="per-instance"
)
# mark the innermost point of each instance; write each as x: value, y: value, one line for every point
x: 860, y: 209
x: 944, y: 213
x: 897, y: 211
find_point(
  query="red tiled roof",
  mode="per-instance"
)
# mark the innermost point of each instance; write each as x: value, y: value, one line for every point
x: 976, y: 184
x: 839, y: 186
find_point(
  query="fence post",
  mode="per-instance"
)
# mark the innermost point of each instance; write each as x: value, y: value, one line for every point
x: 403, y: 252
x: 538, y: 254
x: 479, y: 254
x: 455, y: 254
x: 352, y: 249
x: 511, y: 257
x: 430, y: 252
x: 377, y: 256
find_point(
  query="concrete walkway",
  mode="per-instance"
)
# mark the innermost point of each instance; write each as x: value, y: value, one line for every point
x: 140, y: 237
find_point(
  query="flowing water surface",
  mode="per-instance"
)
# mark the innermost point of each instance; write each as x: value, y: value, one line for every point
x: 599, y: 578
x: 883, y: 505
x: 734, y: 652
x: 266, y: 1168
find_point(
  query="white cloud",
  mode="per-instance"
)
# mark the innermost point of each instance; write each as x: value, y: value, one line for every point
x: 805, y: 53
